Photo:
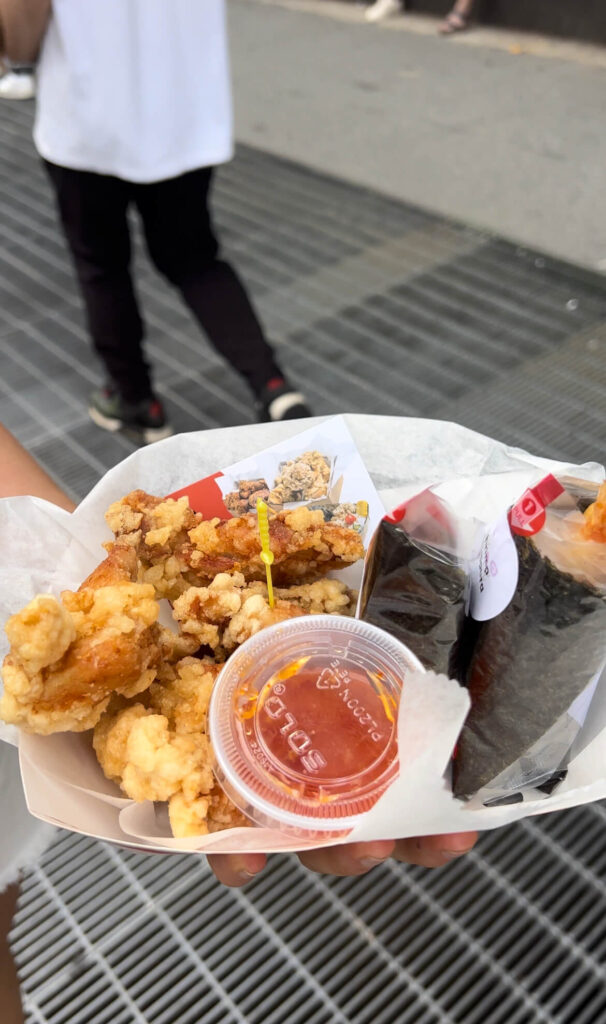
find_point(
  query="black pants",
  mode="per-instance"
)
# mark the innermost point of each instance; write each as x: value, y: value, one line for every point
x: 182, y: 245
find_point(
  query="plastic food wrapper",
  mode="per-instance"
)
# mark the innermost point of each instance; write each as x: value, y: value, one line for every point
x: 515, y: 611
x: 537, y: 643
x: 45, y: 550
x: 415, y: 583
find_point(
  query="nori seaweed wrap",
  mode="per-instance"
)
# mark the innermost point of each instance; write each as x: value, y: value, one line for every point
x: 414, y: 585
x: 539, y: 655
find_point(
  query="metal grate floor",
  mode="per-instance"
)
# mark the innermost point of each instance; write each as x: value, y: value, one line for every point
x: 376, y: 307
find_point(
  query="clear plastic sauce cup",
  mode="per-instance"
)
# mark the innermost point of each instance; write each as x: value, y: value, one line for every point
x: 303, y: 723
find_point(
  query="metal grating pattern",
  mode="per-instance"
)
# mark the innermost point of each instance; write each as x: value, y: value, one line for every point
x: 513, y: 934
x: 391, y: 310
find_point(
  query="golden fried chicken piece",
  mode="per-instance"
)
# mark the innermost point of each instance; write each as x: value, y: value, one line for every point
x: 120, y: 566
x: 157, y: 749
x: 159, y: 522
x: 594, y: 527
x: 174, y: 647
x: 176, y: 548
x: 203, y: 814
x: 254, y: 615
x: 303, y: 545
x: 137, y: 749
x: 221, y: 814
x: 156, y: 530
x: 67, y: 657
x: 322, y: 597
x: 230, y: 610
x: 182, y: 692
x: 226, y: 613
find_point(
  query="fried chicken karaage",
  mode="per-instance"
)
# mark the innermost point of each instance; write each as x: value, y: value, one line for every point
x: 156, y: 748
x: 176, y: 548
x: 230, y: 610
x: 68, y: 656
x: 99, y: 658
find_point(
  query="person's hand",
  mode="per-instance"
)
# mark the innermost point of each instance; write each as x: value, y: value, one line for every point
x: 237, y: 869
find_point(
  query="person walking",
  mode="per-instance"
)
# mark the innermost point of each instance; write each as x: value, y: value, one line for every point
x: 134, y: 110
x: 458, y: 18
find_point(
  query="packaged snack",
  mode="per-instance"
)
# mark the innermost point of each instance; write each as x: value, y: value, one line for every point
x: 538, y: 604
x: 415, y: 581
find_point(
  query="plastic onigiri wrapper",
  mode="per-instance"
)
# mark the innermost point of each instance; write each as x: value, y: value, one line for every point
x: 516, y: 611
x: 415, y: 580
x: 536, y: 637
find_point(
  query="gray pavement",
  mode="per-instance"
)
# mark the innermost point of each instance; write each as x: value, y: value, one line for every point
x: 508, y: 141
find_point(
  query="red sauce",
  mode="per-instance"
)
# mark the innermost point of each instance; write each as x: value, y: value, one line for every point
x: 323, y: 728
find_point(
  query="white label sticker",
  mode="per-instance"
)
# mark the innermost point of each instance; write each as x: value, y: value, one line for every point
x: 494, y: 572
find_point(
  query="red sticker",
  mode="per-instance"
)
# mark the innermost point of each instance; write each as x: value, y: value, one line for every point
x: 527, y: 516
x: 397, y: 514
x: 205, y: 497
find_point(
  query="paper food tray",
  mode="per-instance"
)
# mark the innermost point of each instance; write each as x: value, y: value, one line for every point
x: 44, y: 549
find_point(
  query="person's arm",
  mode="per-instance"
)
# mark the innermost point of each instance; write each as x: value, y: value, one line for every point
x: 21, y: 474
x: 22, y: 27
x: 12, y: 1011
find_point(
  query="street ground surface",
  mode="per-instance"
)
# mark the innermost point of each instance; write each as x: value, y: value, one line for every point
x: 501, y: 130
x: 377, y: 305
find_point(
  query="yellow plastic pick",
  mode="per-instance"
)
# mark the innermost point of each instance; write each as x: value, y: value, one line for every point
x: 267, y: 555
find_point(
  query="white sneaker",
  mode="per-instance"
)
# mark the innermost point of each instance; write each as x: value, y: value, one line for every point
x: 15, y: 86
x: 382, y: 9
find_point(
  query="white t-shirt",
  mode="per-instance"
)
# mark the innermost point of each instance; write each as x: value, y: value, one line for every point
x: 135, y: 88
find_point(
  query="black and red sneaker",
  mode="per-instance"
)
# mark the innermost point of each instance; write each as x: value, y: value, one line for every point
x: 143, y: 422
x: 279, y: 401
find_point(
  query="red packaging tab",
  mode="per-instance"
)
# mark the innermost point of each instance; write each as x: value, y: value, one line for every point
x: 527, y: 516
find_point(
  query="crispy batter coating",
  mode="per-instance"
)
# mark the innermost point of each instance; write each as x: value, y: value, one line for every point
x: 594, y: 527
x: 120, y: 566
x: 203, y: 814
x: 182, y: 692
x: 157, y: 749
x: 303, y: 545
x: 230, y: 610
x: 98, y: 657
x: 227, y: 612
x: 156, y: 529
x: 137, y: 749
x: 67, y: 657
x: 176, y: 548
